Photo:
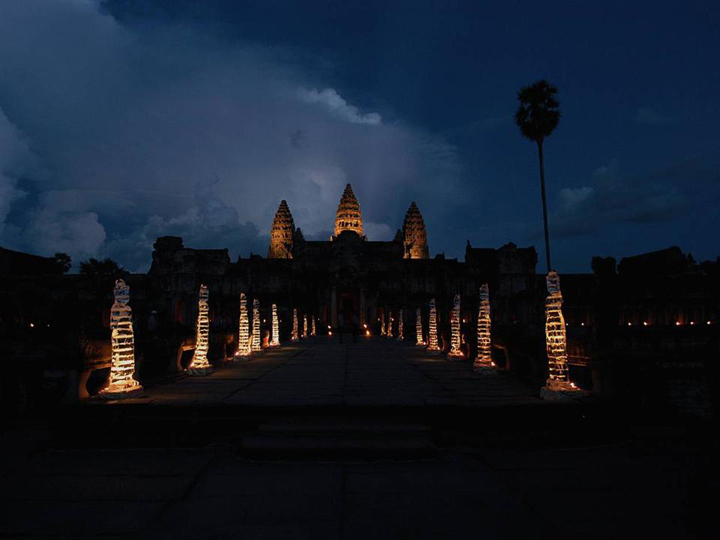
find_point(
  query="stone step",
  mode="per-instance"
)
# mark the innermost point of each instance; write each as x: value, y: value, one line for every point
x: 334, y: 444
x: 342, y: 424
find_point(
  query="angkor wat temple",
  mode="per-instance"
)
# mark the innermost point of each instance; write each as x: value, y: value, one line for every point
x: 652, y: 314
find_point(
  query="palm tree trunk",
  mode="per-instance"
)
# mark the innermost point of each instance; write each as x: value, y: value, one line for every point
x: 544, y: 202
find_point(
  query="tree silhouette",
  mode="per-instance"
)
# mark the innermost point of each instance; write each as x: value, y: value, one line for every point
x: 537, y: 117
x: 63, y: 262
x: 101, y: 267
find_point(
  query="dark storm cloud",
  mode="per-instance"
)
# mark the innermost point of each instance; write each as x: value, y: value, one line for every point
x: 126, y: 136
x: 612, y: 199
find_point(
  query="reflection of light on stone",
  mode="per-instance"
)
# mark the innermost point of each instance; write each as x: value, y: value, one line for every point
x: 295, y: 336
x: 484, y: 339
x: 558, y: 385
x: 455, y: 351
x: 389, y: 325
x: 401, y: 326
x: 383, y: 331
x: 432, y: 328
x: 243, y: 329
x: 256, y: 344
x: 199, y: 364
x: 304, y: 327
x: 312, y: 327
x: 122, y: 369
x: 275, y: 340
x: 419, y: 340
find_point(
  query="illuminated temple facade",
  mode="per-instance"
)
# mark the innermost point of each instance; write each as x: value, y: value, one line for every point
x: 349, y: 276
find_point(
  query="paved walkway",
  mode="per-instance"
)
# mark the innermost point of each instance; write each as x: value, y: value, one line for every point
x: 324, y: 372
x: 214, y: 464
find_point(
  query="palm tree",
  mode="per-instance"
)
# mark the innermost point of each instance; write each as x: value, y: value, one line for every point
x: 537, y: 117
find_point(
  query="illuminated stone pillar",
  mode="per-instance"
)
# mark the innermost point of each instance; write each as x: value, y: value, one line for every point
x: 558, y: 385
x: 484, y: 338
x: 401, y: 326
x: 313, y: 330
x: 256, y: 345
x: 294, y: 336
x: 419, y: 339
x: 389, y: 328
x: 455, y: 351
x: 122, y: 370
x: 432, y: 329
x: 275, y: 338
x: 305, y: 327
x: 383, y: 331
x: 243, y: 350
x: 199, y: 364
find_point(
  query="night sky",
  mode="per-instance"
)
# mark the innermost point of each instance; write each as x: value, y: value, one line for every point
x: 126, y: 120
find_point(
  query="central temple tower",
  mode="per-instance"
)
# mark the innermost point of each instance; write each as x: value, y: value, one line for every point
x: 348, y: 216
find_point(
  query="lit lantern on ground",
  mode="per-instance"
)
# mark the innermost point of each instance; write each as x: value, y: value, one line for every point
x: 243, y: 349
x: 199, y: 364
x: 558, y: 385
x: 419, y: 340
x: 275, y: 339
x: 484, y: 339
x: 432, y: 329
x: 401, y: 326
x: 455, y: 351
x: 313, y: 331
x: 256, y: 345
x: 383, y: 331
x: 389, y: 325
x: 304, y: 327
x: 294, y: 336
x: 122, y: 370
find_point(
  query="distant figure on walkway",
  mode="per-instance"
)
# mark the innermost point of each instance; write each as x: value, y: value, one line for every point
x: 355, y: 326
x: 341, y: 325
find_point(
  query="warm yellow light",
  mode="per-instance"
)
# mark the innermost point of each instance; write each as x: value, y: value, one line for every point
x: 243, y: 349
x: 582, y: 324
x: 455, y: 351
x: 555, y: 336
x: 401, y: 326
x: 645, y: 323
x: 367, y: 332
x: 122, y: 369
x: 304, y: 334
x: 692, y: 322
x: 275, y: 338
x: 677, y: 323
x: 484, y: 338
x: 294, y: 336
x: 199, y: 364
x: 629, y: 324
x: 330, y: 333
x: 419, y: 341
x: 32, y: 325
x: 313, y: 331
x: 709, y: 322
x: 256, y: 344
x: 432, y: 328
x: 364, y: 325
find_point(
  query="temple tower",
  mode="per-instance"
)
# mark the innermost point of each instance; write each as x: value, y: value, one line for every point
x: 348, y: 216
x: 415, y: 235
x: 281, y: 234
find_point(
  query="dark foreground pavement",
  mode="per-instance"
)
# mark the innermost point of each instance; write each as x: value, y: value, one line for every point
x: 367, y: 440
